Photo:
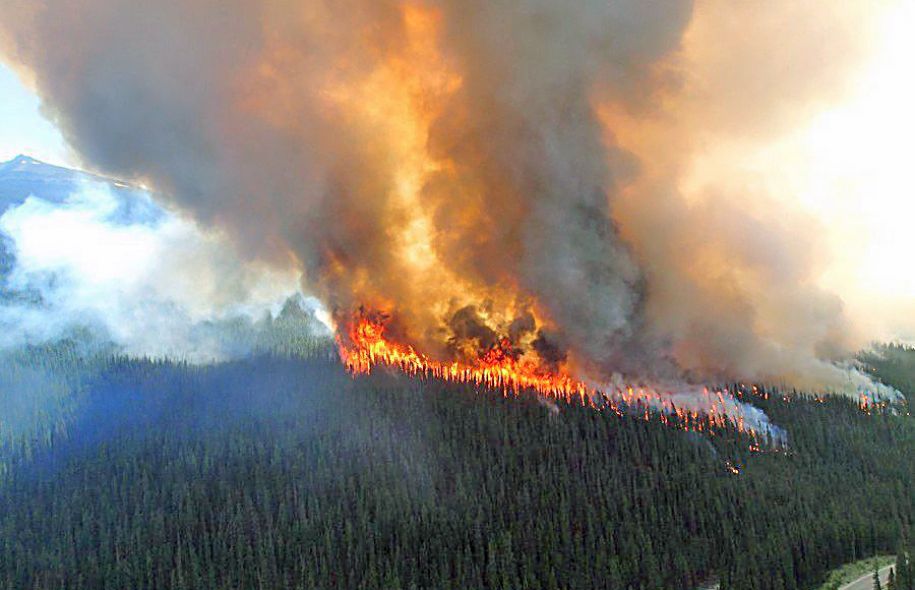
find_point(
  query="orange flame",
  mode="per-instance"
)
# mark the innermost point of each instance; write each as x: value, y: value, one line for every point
x: 500, y: 369
x: 497, y: 369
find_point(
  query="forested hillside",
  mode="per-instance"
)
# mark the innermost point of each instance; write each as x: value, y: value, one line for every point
x: 284, y: 472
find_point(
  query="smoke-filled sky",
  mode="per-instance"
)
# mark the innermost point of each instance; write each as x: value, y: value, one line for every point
x: 706, y: 189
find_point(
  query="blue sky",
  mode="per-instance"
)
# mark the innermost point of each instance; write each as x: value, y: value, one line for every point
x: 23, y: 129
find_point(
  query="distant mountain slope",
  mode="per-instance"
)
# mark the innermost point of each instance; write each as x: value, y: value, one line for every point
x: 24, y: 177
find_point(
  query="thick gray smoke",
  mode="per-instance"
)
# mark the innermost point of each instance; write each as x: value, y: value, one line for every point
x: 413, y: 157
x: 528, y: 171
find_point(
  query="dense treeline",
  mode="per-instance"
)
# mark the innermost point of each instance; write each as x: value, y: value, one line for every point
x: 893, y: 363
x: 277, y: 472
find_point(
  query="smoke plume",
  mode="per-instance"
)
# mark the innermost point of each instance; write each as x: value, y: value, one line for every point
x: 476, y: 170
x: 102, y: 264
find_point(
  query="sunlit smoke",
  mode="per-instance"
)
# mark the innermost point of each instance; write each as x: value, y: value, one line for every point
x: 517, y: 179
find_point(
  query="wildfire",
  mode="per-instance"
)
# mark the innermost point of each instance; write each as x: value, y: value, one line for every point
x: 502, y: 369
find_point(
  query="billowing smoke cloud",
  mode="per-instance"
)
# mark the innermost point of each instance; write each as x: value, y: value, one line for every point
x: 87, y: 259
x: 733, y: 269
x: 466, y: 167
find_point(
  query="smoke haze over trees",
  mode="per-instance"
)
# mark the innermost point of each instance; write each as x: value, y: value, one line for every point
x: 422, y: 157
x: 284, y: 471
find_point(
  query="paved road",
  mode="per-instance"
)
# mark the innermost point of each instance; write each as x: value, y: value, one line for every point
x: 866, y: 582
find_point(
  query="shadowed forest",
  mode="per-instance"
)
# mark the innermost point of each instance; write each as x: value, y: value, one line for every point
x: 281, y: 471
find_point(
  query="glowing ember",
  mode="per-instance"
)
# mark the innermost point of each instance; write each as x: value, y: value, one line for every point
x: 366, y: 346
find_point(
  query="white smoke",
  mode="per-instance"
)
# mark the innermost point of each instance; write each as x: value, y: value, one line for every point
x: 151, y: 284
